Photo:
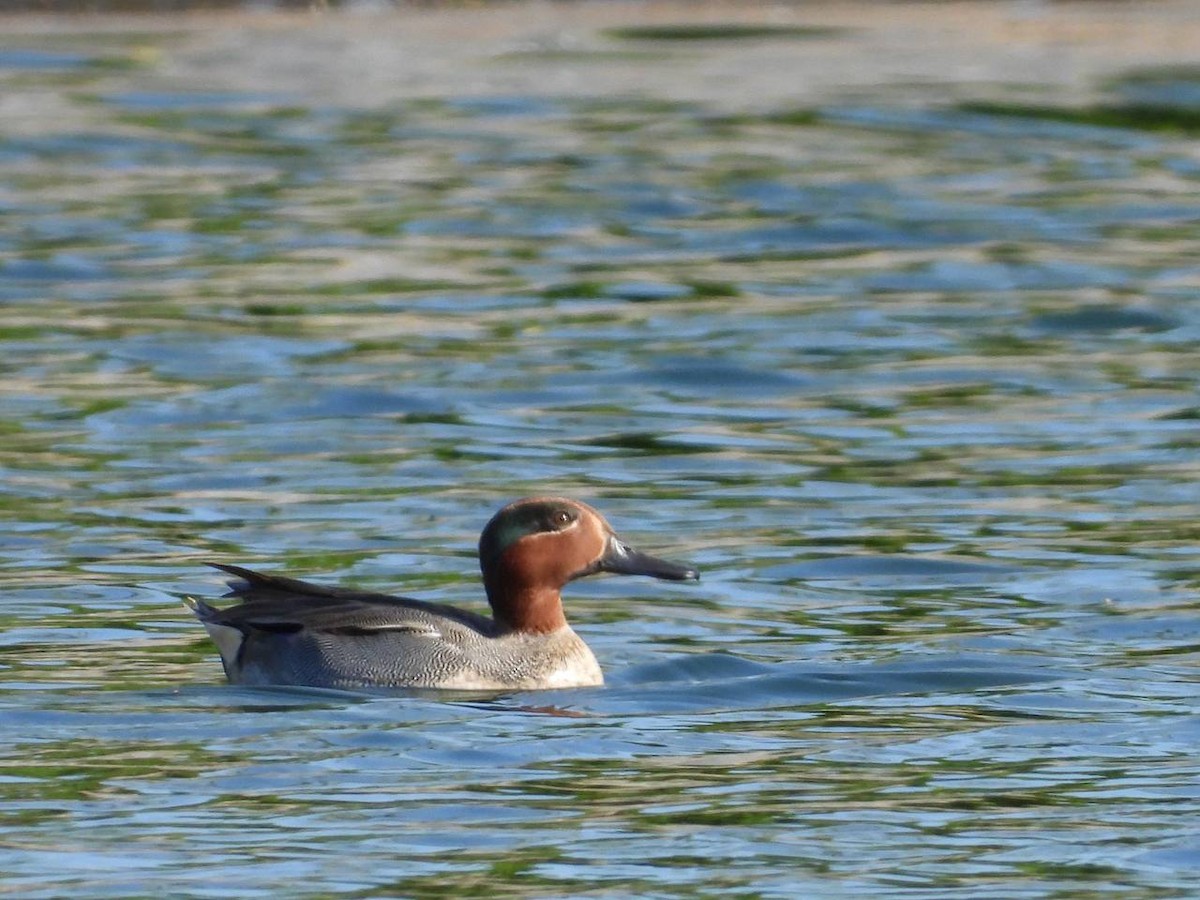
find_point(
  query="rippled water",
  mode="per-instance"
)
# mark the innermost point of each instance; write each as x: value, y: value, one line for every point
x: 915, y: 387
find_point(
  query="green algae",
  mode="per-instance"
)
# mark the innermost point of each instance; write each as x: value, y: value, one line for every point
x: 1154, y: 117
x: 722, y: 31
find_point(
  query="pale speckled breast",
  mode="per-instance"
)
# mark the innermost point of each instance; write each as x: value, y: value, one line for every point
x: 529, y: 662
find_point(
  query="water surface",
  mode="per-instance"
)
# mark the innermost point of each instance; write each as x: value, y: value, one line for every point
x: 915, y: 387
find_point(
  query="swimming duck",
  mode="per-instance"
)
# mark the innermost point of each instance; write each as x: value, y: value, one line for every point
x: 289, y: 632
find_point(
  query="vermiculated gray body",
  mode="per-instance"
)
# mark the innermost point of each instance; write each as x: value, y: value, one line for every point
x: 289, y: 632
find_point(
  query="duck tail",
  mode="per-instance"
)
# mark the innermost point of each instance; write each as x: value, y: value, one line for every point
x: 203, y: 611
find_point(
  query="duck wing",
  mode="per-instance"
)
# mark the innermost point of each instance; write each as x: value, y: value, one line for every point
x: 279, y: 603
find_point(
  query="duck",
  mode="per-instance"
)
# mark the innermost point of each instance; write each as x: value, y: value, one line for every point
x: 290, y: 632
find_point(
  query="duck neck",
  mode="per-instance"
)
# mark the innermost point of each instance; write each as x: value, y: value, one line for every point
x: 526, y: 608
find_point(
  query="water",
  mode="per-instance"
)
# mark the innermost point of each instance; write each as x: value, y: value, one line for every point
x: 915, y: 387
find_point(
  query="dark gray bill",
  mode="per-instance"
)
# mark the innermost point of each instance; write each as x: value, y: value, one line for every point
x: 621, y: 559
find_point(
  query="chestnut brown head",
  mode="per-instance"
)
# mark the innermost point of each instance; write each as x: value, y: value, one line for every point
x: 532, y: 547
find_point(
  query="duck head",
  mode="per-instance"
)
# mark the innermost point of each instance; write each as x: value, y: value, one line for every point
x: 533, y: 547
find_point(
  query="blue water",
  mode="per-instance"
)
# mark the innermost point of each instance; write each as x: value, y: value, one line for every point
x: 915, y: 388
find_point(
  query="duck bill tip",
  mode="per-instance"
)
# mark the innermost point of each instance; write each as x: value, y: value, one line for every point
x: 621, y: 559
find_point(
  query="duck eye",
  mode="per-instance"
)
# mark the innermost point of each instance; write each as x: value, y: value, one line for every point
x: 561, y: 518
